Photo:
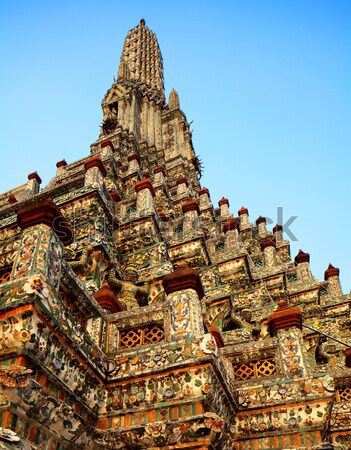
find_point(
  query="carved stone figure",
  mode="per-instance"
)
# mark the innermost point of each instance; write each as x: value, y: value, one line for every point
x: 78, y: 265
x: 131, y: 295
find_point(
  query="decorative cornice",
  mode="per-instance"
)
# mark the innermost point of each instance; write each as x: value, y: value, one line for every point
x: 267, y: 241
x: 95, y: 161
x: 261, y: 219
x: 183, y: 278
x: 107, y: 143
x: 243, y: 211
x: 223, y: 201
x: 277, y: 228
x: 34, y: 176
x: 134, y: 157
x: 182, y: 180
x: 61, y: 163
x: 190, y: 205
x: 231, y: 224
x: 302, y: 257
x: 331, y: 272
x: 107, y: 300
x: 159, y: 169
x: 145, y: 183
x: 47, y: 213
x: 204, y: 191
x: 284, y: 317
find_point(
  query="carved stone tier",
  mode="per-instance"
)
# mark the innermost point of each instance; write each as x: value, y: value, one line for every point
x: 284, y: 317
x: 183, y: 278
x: 47, y: 213
x: 95, y: 161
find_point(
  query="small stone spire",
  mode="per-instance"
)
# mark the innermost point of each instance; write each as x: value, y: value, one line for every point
x: 173, y: 101
x: 141, y: 60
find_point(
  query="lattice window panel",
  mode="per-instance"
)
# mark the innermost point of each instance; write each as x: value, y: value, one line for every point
x: 147, y: 334
x: 258, y: 263
x: 254, y: 369
x: 344, y: 395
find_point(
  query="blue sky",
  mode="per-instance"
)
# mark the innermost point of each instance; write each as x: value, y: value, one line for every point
x: 267, y: 85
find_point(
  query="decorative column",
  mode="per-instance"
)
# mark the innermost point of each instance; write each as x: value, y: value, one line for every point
x: 286, y: 324
x: 244, y: 217
x: 182, y: 186
x: 95, y: 171
x: 44, y: 233
x: 302, y: 260
x: 159, y: 175
x: 268, y: 248
x: 231, y: 230
x: 332, y: 276
x: 134, y: 163
x: 224, y: 207
x: 145, y: 196
x: 204, y: 198
x: 108, y: 148
x: 191, y: 215
x: 261, y: 223
x: 184, y: 292
x: 278, y: 233
x: 60, y: 165
x: 34, y: 182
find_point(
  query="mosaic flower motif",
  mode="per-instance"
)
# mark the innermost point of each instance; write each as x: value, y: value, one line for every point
x: 243, y: 398
x: 157, y: 359
x: 12, y: 376
x: 36, y: 284
x: 156, y: 429
x: 328, y: 383
x: 214, y: 422
x: 208, y: 345
x: 24, y: 335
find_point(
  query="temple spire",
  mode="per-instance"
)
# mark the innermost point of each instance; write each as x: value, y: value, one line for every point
x: 141, y: 60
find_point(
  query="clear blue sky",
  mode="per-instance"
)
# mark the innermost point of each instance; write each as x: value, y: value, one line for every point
x: 266, y: 83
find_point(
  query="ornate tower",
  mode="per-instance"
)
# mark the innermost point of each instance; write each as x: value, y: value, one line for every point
x: 135, y: 314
